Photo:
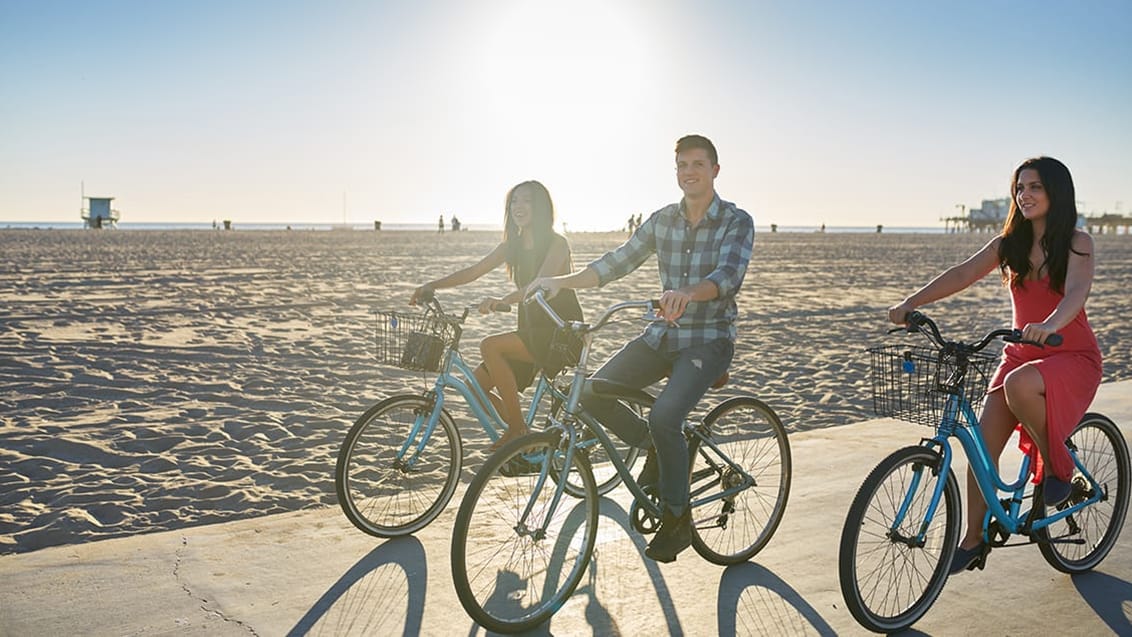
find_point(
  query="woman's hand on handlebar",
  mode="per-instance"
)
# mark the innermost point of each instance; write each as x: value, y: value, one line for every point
x: 1039, y: 333
x: 423, y: 294
x: 491, y: 304
x: 898, y: 313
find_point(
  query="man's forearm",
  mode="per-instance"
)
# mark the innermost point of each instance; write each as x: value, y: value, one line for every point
x: 585, y: 278
x: 705, y: 290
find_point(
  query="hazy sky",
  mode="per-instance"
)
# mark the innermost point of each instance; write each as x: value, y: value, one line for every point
x: 844, y: 113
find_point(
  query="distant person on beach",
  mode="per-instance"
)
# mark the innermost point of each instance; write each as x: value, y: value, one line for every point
x: 530, y: 248
x: 440, y: 224
x: 455, y: 224
x: 1047, y: 264
x: 702, y: 246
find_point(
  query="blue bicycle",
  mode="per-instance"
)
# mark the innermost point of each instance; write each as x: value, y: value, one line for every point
x: 903, y: 526
x: 400, y: 463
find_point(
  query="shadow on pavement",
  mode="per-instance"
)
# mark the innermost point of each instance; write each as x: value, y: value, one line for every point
x: 1109, y: 597
x: 755, y: 601
x: 362, y: 601
x: 598, y: 617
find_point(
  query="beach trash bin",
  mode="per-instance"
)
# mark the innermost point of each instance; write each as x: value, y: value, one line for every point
x: 227, y: 224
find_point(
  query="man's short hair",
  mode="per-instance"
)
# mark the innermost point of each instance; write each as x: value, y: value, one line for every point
x: 688, y: 142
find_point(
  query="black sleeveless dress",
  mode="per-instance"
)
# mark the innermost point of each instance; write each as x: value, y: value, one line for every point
x: 536, y: 329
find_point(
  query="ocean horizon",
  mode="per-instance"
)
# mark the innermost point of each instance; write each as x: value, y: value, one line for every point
x: 414, y: 227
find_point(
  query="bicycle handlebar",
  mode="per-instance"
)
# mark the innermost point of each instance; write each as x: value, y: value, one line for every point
x: 916, y: 321
x: 539, y: 296
x: 429, y: 300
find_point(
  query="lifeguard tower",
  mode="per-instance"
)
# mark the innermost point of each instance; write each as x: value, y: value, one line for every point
x: 98, y: 214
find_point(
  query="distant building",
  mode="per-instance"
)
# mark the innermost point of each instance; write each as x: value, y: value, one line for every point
x: 98, y: 213
x: 990, y: 215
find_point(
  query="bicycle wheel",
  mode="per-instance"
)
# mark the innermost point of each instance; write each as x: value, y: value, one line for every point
x: 1086, y: 537
x: 386, y: 495
x: 888, y: 578
x: 605, y: 472
x: 734, y: 529
x: 519, y: 548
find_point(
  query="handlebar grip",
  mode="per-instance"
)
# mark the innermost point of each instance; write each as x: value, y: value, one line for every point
x: 655, y: 303
x: 1053, y: 340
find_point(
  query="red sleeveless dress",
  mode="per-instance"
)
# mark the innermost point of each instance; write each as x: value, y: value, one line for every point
x: 1071, y: 372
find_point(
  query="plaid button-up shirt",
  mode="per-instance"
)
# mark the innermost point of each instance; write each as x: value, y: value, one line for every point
x: 718, y: 249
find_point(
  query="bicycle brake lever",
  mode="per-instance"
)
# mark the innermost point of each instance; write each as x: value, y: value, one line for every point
x: 653, y: 317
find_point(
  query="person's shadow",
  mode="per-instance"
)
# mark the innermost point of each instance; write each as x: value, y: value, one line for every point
x: 1108, y: 596
x: 362, y: 602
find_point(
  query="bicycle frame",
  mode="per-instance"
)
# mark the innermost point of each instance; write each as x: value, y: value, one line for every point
x: 574, y: 412
x: 960, y: 422
x: 455, y: 374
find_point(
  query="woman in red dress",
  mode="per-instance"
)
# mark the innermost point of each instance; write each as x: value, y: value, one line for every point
x: 1048, y: 264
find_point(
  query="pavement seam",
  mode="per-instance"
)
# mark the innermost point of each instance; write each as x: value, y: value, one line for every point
x: 203, y: 602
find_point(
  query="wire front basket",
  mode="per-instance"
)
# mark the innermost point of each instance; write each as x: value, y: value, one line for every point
x: 911, y: 383
x: 413, y: 341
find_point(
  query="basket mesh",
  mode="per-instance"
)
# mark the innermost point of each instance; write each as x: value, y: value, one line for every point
x: 909, y: 382
x: 413, y: 341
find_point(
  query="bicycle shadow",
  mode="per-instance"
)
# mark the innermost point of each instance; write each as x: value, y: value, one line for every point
x: 597, y: 614
x: 755, y: 601
x: 362, y: 602
x: 1108, y: 596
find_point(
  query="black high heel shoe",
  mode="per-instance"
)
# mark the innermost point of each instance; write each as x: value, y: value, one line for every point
x: 969, y: 559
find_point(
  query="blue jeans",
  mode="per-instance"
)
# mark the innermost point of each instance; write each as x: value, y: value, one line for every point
x: 691, y: 372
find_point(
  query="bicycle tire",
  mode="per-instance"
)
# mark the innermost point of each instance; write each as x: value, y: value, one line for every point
x: 887, y: 584
x: 753, y: 437
x: 605, y: 473
x: 542, y: 569
x: 378, y: 494
x: 1101, y: 448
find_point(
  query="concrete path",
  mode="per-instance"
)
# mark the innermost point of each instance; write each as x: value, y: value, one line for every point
x: 312, y: 573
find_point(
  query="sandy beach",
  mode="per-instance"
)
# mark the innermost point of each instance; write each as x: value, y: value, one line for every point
x: 153, y: 380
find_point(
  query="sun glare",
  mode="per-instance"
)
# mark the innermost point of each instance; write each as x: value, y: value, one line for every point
x: 555, y: 76
x: 565, y: 63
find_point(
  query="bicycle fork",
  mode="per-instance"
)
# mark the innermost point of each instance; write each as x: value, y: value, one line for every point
x: 939, y: 472
x: 424, y: 423
x: 538, y: 532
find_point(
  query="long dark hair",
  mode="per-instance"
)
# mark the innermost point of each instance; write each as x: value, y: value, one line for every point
x: 1061, y: 223
x: 541, y: 226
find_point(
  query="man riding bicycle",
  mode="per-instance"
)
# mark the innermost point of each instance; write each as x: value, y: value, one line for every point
x: 703, y: 245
